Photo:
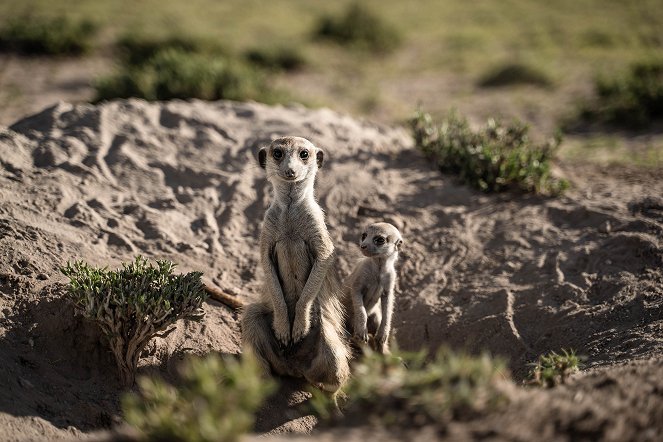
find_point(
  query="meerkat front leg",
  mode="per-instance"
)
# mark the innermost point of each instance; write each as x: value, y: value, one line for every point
x: 324, y: 253
x: 280, y: 321
x: 387, y: 300
x: 360, y: 327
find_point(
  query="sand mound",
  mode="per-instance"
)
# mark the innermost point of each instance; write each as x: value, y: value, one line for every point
x: 515, y: 275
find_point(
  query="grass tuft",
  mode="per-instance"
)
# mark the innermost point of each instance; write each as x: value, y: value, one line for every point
x: 632, y: 100
x: 406, y: 390
x: 514, y: 74
x: 132, y: 304
x: 215, y: 403
x: 496, y: 158
x: 552, y: 369
x: 47, y: 36
x: 359, y: 27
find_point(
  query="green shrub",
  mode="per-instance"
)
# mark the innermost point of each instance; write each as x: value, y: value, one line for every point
x: 216, y: 402
x: 49, y: 36
x: 495, y: 158
x: 631, y: 100
x: 359, y: 26
x: 176, y: 73
x: 552, y: 369
x: 278, y: 58
x: 132, y: 304
x: 135, y: 49
x: 515, y: 74
x: 405, y: 390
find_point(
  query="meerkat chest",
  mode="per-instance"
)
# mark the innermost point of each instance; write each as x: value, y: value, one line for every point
x: 292, y: 253
x: 371, y: 290
x: 293, y: 261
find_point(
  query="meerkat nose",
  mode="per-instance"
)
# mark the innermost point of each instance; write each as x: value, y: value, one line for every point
x: 363, y: 246
x: 290, y: 173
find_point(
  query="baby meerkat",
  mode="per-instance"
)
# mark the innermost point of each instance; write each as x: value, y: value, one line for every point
x: 369, y: 290
x: 297, y: 327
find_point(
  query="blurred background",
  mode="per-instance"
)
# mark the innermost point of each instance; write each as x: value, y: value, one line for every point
x: 592, y: 69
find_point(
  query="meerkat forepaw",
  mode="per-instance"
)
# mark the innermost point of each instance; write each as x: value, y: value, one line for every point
x: 381, y: 345
x: 282, y: 331
x: 384, y: 349
x: 300, y: 329
x: 361, y: 333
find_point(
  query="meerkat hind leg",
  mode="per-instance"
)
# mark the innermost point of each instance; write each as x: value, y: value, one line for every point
x: 329, y: 369
x: 257, y: 333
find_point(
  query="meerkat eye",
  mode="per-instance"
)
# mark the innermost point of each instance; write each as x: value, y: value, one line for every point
x: 379, y: 240
x: 303, y: 155
x: 363, y: 236
x: 277, y: 154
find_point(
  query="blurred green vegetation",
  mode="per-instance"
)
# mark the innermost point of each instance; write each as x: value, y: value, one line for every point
x: 215, y: 401
x: 278, y: 58
x: 30, y: 35
x: 633, y: 99
x: 177, y: 73
x: 359, y: 27
x: 408, y: 389
x: 135, y: 48
x: 495, y: 158
x: 447, y: 48
x: 601, y: 29
x: 182, y: 66
x: 512, y: 74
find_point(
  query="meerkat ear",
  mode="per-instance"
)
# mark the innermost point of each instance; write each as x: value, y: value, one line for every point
x: 319, y: 157
x: 262, y: 157
x: 399, y: 243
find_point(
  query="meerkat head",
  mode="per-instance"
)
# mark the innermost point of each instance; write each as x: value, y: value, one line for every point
x: 290, y: 159
x: 380, y: 239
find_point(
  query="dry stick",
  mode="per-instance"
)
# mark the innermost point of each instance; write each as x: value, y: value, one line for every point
x: 218, y: 295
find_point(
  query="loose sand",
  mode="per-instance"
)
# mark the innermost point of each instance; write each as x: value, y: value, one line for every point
x: 514, y: 275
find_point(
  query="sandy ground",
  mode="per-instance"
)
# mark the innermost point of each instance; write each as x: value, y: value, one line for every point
x: 514, y: 275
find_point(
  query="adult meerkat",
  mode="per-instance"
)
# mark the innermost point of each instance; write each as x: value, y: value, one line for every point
x: 297, y: 327
x: 369, y: 290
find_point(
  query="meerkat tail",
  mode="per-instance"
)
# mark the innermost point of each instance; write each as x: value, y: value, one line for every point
x: 218, y: 295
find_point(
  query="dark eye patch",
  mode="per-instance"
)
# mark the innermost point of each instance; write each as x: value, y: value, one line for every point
x: 379, y: 240
x: 363, y: 236
x: 303, y: 155
x: 277, y: 154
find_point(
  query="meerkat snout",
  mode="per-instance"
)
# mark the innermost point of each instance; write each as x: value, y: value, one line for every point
x: 291, y: 159
x: 380, y: 239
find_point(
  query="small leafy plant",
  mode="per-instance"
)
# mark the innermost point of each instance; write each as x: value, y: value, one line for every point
x: 633, y: 100
x: 552, y: 369
x: 495, y: 158
x: 132, y: 304
x: 49, y: 36
x: 360, y: 27
x: 215, y: 402
x: 404, y: 389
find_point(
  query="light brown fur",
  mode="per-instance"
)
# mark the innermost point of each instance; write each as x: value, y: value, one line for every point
x: 369, y: 290
x: 297, y: 327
